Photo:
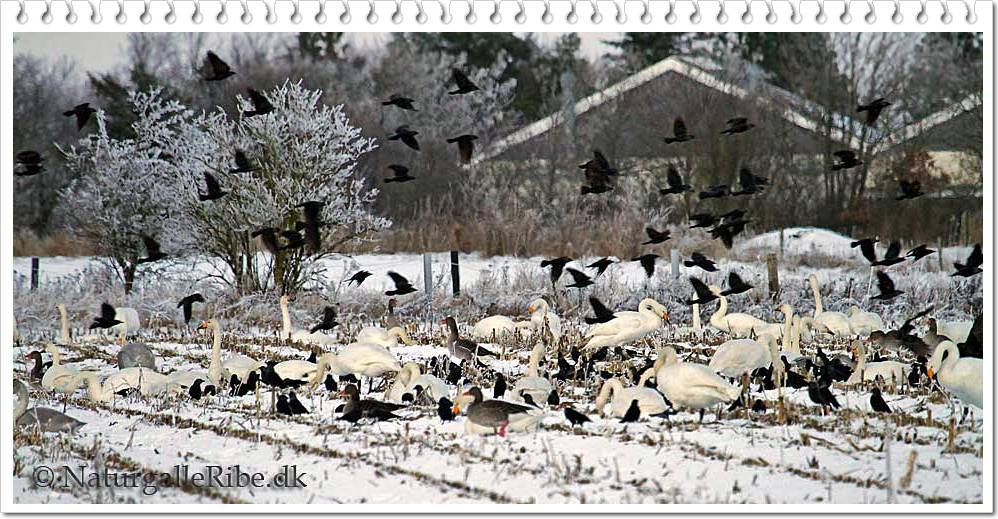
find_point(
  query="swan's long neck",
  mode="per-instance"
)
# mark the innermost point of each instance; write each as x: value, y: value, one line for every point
x: 817, y: 297
x: 606, y: 393
x: 215, y: 367
x: 122, y: 336
x: 647, y: 374
x: 409, y: 373
x: 285, y: 318
x: 788, y: 317
x: 718, y: 318
x: 697, y: 327
x: 954, y: 355
x: 535, y: 358
x: 56, y: 357
x: 64, y: 325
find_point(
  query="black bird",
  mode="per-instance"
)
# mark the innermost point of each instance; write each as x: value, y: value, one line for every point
x: 918, y: 368
x: 243, y: 163
x: 598, y: 172
x: 28, y: 163
x: 973, y: 265
x: 910, y: 189
x: 565, y: 370
x: 330, y: 383
x: 283, y: 406
x: 400, y: 101
x: 719, y: 191
x: 600, y: 163
x: 464, y: 85
x: 187, y: 304
x: 886, y: 286
x: 445, y: 409
x: 214, y: 69
x: 675, y: 182
x: 866, y: 247
x: 106, y: 319
x: 250, y: 385
x: 465, y: 146
x: 153, y: 252
x: 820, y: 394
x: 892, y: 256
x: 877, y: 401
x: 737, y: 125
x: 873, y: 109
x: 734, y: 215
x: 359, y: 277
x: 846, y: 160
x: 214, y: 189
x: 296, y: 406
x: 647, y: 263
x: 576, y: 418
x: 759, y: 406
x: 699, y: 260
x: 702, y: 220
x: 679, y: 132
x: 791, y: 377
x: 355, y: 408
x: 402, y: 286
x: 603, y: 314
x: 293, y: 238
x: 656, y: 236
x: 579, y: 279
x: 553, y: 398
x: 82, y: 112
x: 974, y: 345
x: 727, y: 231
x: 529, y: 400
x: 268, y: 237
x: 328, y: 320
x: 400, y: 174
x: 919, y: 252
x: 704, y: 293
x: 736, y: 285
x: 751, y: 184
x: 195, y: 391
x: 407, y: 136
x: 269, y: 376
x: 312, y: 211
x: 557, y: 267
x: 499, y: 388
x: 903, y: 336
x: 600, y: 265
x: 455, y: 372
x: 261, y: 106
x: 633, y: 413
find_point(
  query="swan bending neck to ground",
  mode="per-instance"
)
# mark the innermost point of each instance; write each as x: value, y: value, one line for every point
x: 628, y: 326
x: 296, y: 335
x: 387, y: 338
x: 964, y: 377
x: 613, y: 391
x: 893, y: 372
x: 864, y: 323
x: 543, y: 319
x: 539, y: 388
x: 146, y: 381
x: 358, y: 359
x: 409, y: 377
x: 738, y: 357
x: 835, y: 323
x: 235, y: 364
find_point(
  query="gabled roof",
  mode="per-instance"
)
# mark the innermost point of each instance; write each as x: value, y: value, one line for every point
x: 967, y: 104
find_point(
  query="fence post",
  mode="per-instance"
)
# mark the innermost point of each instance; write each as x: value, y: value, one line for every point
x: 772, y: 265
x: 428, y: 276
x: 34, y: 273
x: 674, y: 257
x: 455, y: 273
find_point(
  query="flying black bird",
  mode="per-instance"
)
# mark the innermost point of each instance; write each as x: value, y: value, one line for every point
x: 294, y: 240
x: 28, y: 163
x: 106, y: 319
x: 82, y: 112
x: 187, y: 304
x: 656, y: 236
x: 600, y: 265
x: 214, y: 189
x: 402, y: 286
x: 675, y: 182
x: 751, y: 184
x: 153, y: 252
x: 603, y: 314
x: 737, y: 125
x: 499, y: 388
x: 892, y: 256
x: 575, y: 418
x: 909, y: 189
x: 465, y: 146
x: 727, y: 231
x: 401, y: 174
x: 243, y: 163
x: 873, y: 109
x: 464, y: 85
x: 599, y: 162
x: 877, y: 401
x: 846, y: 160
x: 283, y: 406
x: 295, y: 405
x: 702, y: 220
x: 328, y: 320
x: 312, y: 211
x: 261, y: 106
x: 268, y: 237
x: 973, y: 265
x: 359, y: 277
x: 699, y: 260
x: 736, y: 285
x: 919, y: 252
x: 886, y: 286
x: 557, y: 266
x: 407, y: 136
x: 445, y: 409
x: 400, y: 101
x: 214, y: 69
x: 704, y: 293
x: 579, y: 279
x: 866, y: 247
x: 719, y: 191
x: 633, y: 413
x: 598, y: 173
x: 679, y: 132
x: 647, y: 263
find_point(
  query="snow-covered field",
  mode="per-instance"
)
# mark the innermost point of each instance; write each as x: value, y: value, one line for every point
x: 921, y: 453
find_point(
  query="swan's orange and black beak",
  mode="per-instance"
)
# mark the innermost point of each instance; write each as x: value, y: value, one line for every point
x: 456, y: 410
x: 203, y: 325
x: 531, y: 309
x: 931, y: 373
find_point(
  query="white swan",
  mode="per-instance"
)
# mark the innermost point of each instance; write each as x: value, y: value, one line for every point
x: 649, y: 401
x: 892, y: 371
x: 737, y: 324
x: 962, y: 377
x: 539, y: 388
x: 297, y: 370
x: 358, y: 359
x: 129, y: 318
x: 691, y: 386
x: 409, y: 377
x: 835, y: 323
x: 180, y: 381
x: 498, y: 326
x: 388, y: 338
x: 628, y: 326
x: 236, y: 364
x: 60, y: 377
x: 296, y: 335
x: 738, y: 357
x: 541, y: 316
x: 864, y: 323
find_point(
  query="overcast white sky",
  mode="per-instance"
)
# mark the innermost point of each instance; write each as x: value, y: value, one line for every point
x: 99, y: 52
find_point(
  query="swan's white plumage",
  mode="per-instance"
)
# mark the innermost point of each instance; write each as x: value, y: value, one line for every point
x: 737, y: 357
x: 964, y: 377
x: 691, y: 386
x: 613, y: 391
x: 539, y: 388
x: 864, y: 323
x: 628, y: 326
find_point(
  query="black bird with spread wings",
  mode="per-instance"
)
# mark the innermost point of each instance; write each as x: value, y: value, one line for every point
x: 579, y: 279
x: 751, y: 184
x: 736, y: 285
x: 261, y: 106
x: 602, y: 313
x: 737, y: 125
x: 873, y: 109
x: 919, y: 252
x: 704, y: 293
x: 402, y: 286
x: 699, y: 260
x: 648, y: 263
x: 972, y: 267
x: 28, y: 163
x: 82, y: 112
x: 679, y: 132
x: 464, y: 85
x: 600, y: 265
x: 675, y: 182
x: 557, y: 266
x: 846, y: 160
x: 886, y: 286
x: 106, y: 319
x: 359, y: 277
x: 400, y: 174
x: 328, y: 320
x: 187, y: 304
x: 655, y: 237
x: 268, y: 237
x: 243, y: 163
x: 719, y: 191
x: 465, y: 146
x: 214, y: 69
x: 214, y: 189
x: 400, y: 101
x: 407, y: 136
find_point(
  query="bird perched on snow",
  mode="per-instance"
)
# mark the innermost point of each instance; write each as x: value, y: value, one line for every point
x: 82, y: 112
x: 214, y: 69
x: 910, y: 189
x: 675, y: 183
x: 261, y: 106
x: 633, y: 413
x: 464, y: 85
x: 846, y: 160
x: 699, y: 260
x: 328, y: 320
x: 886, y: 286
x: 407, y: 136
x: 648, y: 263
x: 919, y: 252
x: 359, y: 277
x: 973, y: 265
x: 465, y: 146
x: 402, y: 286
x: 243, y: 163
x: 557, y: 266
x: 602, y: 313
x: 295, y: 405
x: 153, y: 252
x: 445, y: 409
x: 400, y: 101
x: 106, y: 319
x: 576, y: 418
x: 400, y: 174
x: 873, y: 109
x: 187, y: 303
x: 28, y: 163
x: 655, y: 237
x: 579, y: 279
x: 737, y: 125
x: 600, y: 265
x: 877, y: 401
x: 679, y: 132
x: 499, y: 388
x: 214, y: 189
